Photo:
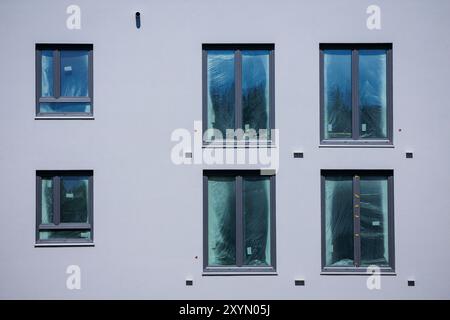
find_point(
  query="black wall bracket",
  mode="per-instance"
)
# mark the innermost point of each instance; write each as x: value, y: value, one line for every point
x: 138, y: 20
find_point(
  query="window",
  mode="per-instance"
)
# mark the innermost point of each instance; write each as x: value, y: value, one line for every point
x: 238, y: 91
x: 356, y: 93
x: 64, y: 80
x: 239, y: 221
x: 64, y: 206
x: 357, y: 220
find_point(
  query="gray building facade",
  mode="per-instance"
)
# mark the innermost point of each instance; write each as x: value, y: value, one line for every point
x: 148, y: 212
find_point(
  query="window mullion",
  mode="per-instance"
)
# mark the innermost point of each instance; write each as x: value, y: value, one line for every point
x: 56, y: 200
x: 239, y: 222
x: 355, y: 93
x: 238, y: 89
x: 357, y: 220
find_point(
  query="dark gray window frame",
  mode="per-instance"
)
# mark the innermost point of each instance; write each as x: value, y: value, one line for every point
x: 56, y: 225
x: 57, y: 48
x: 237, y: 48
x: 356, y: 220
x: 355, y: 140
x: 239, y: 268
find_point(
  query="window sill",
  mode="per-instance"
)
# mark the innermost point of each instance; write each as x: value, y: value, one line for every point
x: 241, y: 144
x: 357, y: 272
x: 68, y: 244
x: 64, y: 118
x: 361, y: 273
x: 241, y: 273
x: 356, y: 145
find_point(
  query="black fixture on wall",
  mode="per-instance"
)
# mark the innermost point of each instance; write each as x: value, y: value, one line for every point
x: 138, y: 20
x: 299, y: 282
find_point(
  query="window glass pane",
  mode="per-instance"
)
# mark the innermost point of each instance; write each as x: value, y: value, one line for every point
x: 339, y: 221
x: 74, y: 199
x: 220, y: 91
x: 337, y: 94
x: 221, y: 221
x: 65, y: 107
x: 74, y: 73
x: 256, y: 221
x: 64, y: 234
x: 372, y: 93
x: 46, y: 200
x: 374, y: 221
x: 255, y: 90
x: 47, y: 73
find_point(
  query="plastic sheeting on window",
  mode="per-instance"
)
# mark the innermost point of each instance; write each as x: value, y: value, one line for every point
x: 74, y: 199
x: 255, y: 89
x: 64, y: 107
x: 337, y: 94
x: 256, y: 220
x: 64, y: 234
x: 374, y: 221
x: 46, y: 201
x: 47, y: 73
x: 220, y: 88
x: 221, y: 221
x: 372, y: 93
x: 339, y: 221
x: 74, y: 73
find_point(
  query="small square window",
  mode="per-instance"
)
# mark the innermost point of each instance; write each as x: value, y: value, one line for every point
x: 239, y: 221
x: 64, y: 206
x: 357, y: 221
x: 64, y: 80
x: 356, y: 93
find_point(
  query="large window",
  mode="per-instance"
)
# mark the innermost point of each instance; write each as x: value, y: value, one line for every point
x: 64, y: 206
x: 356, y: 93
x: 238, y: 91
x: 64, y: 80
x: 239, y: 221
x: 357, y: 220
